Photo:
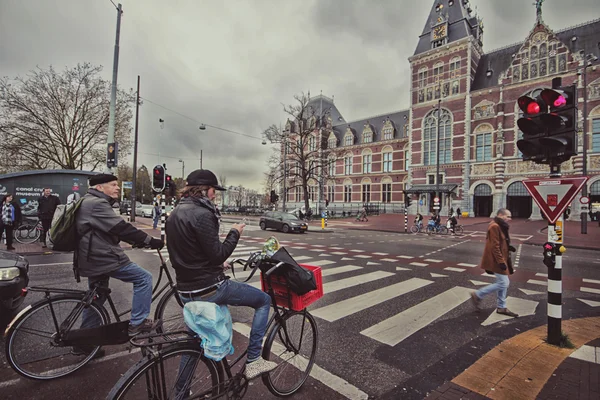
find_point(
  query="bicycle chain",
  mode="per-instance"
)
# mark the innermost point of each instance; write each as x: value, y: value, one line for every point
x: 237, y: 387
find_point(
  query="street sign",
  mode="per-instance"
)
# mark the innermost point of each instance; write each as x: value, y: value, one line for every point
x: 112, y: 149
x: 127, y: 185
x: 584, y: 200
x: 436, y: 200
x: 554, y: 195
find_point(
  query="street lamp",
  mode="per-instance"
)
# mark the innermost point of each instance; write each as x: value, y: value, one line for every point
x: 588, y: 60
x: 182, y: 169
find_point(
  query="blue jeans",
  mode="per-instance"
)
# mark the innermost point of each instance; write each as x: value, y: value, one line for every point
x: 142, y: 293
x: 500, y: 286
x: 156, y: 219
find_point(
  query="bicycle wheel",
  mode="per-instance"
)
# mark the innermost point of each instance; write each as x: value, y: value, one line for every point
x: 292, y: 344
x: 458, y: 229
x: 27, y: 233
x: 443, y: 230
x: 178, y: 372
x: 414, y: 229
x: 30, y: 346
x: 170, y: 311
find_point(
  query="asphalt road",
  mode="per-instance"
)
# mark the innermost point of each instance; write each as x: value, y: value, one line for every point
x: 395, y: 320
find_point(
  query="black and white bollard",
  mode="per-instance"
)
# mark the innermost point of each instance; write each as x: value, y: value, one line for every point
x: 405, y: 220
x: 555, y: 238
x: 163, y: 218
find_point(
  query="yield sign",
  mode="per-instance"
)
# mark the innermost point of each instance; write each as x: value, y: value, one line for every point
x: 554, y: 195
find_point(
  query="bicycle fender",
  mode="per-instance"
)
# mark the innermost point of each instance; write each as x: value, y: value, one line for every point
x: 15, y: 319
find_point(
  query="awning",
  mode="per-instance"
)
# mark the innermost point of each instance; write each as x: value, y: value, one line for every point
x: 443, y: 188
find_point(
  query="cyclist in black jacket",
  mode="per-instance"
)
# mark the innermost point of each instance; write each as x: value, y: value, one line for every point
x: 199, y: 259
x: 47, y: 204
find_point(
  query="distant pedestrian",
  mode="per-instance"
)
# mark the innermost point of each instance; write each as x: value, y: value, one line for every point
x: 47, y: 204
x: 72, y: 198
x: 458, y: 215
x: 496, y: 259
x: 156, y: 212
x: 11, y: 217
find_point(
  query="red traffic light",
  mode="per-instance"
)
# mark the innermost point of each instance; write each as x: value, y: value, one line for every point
x: 156, y: 171
x: 548, y: 246
x: 168, y: 178
x: 529, y: 105
x: 533, y: 108
x: 555, y: 97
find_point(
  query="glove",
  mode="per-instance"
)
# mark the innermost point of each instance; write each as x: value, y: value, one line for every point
x: 159, y: 244
x: 502, y: 266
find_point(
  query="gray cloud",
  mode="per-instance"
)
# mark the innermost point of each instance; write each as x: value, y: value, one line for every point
x: 231, y: 64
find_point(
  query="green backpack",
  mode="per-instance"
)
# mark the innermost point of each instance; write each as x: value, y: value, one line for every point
x: 63, y: 232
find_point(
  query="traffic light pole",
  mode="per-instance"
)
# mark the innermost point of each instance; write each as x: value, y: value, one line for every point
x: 584, y: 191
x: 555, y: 236
x: 162, y: 217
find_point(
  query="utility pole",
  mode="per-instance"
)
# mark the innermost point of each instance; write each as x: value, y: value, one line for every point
x: 437, y: 154
x: 135, y: 148
x: 584, y: 191
x: 200, y: 159
x: 113, y: 94
x: 284, y: 168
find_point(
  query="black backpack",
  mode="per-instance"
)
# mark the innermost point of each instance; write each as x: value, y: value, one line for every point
x: 299, y: 280
x: 63, y: 232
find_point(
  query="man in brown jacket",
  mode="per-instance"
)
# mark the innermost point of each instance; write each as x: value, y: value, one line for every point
x: 496, y: 259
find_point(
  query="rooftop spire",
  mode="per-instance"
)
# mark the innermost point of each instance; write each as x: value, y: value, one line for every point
x: 538, y: 7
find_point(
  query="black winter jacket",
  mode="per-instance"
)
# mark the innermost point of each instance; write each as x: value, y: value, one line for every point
x: 195, y: 250
x: 47, y: 206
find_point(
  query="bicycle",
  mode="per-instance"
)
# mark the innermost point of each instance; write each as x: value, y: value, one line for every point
x: 458, y: 230
x: 178, y: 369
x: 418, y: 228
x: 39, y: 339
x: 432, y: 228
x: 28, y: 232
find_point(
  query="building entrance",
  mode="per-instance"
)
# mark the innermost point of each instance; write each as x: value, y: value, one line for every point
x: 483, y: 200
x: 518, y: 200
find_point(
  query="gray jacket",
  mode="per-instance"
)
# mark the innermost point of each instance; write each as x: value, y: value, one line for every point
x: 100, y: 230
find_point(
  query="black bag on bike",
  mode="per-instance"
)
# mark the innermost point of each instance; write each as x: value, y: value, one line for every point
x: 63, y: 232
x: 299, y: 280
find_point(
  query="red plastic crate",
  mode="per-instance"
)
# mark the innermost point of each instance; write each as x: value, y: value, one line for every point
x: 298, y: 303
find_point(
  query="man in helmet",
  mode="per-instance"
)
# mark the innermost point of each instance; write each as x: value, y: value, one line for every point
x: 199, y: 259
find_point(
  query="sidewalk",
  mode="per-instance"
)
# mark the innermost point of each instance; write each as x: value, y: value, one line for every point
x: 525, y: 367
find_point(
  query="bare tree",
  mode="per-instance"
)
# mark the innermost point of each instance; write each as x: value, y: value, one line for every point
x: 305, y: 156
x: 51, y: 119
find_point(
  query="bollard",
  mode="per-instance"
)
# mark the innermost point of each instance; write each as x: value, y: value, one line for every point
x: 555, y: 236
x: 162, y: 218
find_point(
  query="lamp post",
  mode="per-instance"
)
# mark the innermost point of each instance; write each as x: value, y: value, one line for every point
x: 437, y: 154
x: 587, y: 62
x: 182, y: 169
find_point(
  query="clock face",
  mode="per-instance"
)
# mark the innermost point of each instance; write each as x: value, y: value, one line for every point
x: 439, y: 32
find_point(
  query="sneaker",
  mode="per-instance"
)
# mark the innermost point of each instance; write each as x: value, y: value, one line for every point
x: 506, y: 311
x: 84, y: 351
x: 259, y: 367
x: 147, y: 326
x: 476, y: 300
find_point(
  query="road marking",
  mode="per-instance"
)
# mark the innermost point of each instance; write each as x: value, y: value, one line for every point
x: 389, y: 259
x: 334, y: 286
x: 397, y: 328
x: 341, y: 309
x: 454, y: 269
x: 589, y: 290
x: 520, y: 306
x: 373, y: 263
x: 357, y: 251
x: 590, y: 302
x: 322, y: 263
x: 479, y: 283
x: 302, y: 258
x: 417, y: 264
x: 382, y: 254
x: 530, y: 292
x: 339, y: 253
x: 542, y: 283
x: 347, y: 259
x: 541, y: 274
x: 591, y: 281
x: 339, y: 270
x: 467, y: 265
x: 434, y: 275
x: 363, y: 256
x: 406, y: 257
x: 337, y: 248
x: 52, y: 264
x: 324, y: 255
x: 403, y: 269
x: 327, y: 378
x: 318, y: 245
x: 432, y: 260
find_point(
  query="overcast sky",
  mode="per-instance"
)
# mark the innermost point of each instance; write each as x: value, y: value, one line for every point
x: 232, y: 63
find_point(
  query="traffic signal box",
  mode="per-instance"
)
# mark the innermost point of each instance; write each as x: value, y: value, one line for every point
x: 549, y: 125
x: 170, y: 186
x: 407, y: 200
x: 158, y: 178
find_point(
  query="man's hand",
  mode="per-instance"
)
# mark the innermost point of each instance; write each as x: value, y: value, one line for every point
x: 502, y: 266
x: 226, y: 266
x: 239, y: 228
x: 156, y: 244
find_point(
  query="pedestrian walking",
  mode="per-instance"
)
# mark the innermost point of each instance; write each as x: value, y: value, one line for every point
x: 156, y: 212
x: 46, y: 206
x: 11, y: 217
x: 496, y: 260
x: 458, y: 215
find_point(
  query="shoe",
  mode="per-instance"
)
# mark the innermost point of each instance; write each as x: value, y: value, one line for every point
x: 10, y: 248
x: 476, y: 300
x: 145, y: 327
x: 84, y: 351
x: 259, y: 367
x: 506, y: 311
x: 44, y: 245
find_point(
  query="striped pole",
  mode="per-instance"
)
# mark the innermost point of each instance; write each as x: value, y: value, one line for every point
x: 555, y: 235
x: 162, y: 218
x: 326, y: 215
x: 405, y: 219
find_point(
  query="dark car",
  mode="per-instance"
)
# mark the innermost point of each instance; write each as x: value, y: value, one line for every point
x: 13, y: 279
x: 283, y: 222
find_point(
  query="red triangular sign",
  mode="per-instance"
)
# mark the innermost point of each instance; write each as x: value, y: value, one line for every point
x: 553, y: 196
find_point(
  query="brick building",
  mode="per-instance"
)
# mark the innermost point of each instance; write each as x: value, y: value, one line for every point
x: 388, y: 156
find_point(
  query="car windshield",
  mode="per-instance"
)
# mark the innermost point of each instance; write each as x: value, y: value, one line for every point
x: 290, y: 217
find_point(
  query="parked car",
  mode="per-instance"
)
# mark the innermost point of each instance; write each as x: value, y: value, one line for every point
x: 283, y: 222
x: 144, y: 210
x: 14, y: 278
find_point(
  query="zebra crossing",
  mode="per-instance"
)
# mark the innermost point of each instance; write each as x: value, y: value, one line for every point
x: 383, y: 274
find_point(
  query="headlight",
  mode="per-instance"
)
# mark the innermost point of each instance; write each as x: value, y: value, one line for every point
x: 8, y: 274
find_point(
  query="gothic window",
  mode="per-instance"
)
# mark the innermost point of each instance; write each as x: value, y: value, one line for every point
x: 331, y: 166
x: 331, y: 191
x: 405, y: 130
x: 429, y: 94
x: 332, y: 142
x: 534, y: 52
x: 543, y: 51
x: 421, y: 96
x: 552, y: 65
x: 437, y: 92
x: 533, y: 70
x: 423, y: 78
x: 596, y: 135
x: 454, y: 67
x: 525, y: 71
x: 562, y: 63
x: 516, y: 73
x: 348, y: 164
x: 455, y: 87
x: 312, y: 144
x: 543, y: 67
x: 367, y: 161
x: 349, y: 139
x: 483, y: 144
x: 438, y: 71
x: 430, y: 138
x: 386, y: 190
x: 446, y: 90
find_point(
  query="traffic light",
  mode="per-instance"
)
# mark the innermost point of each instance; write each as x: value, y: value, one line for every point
x: 561, y: 122
x: 158, y: 178
x: 549, y: 254
x: 549, y: 125
x: 272, y: 198
x: 407, y: 200
x: 326, y: 202
x: 170, y: 186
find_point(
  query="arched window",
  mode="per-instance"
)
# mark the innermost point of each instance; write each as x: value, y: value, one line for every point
x: 367, y: 134
x: 386, y: 189
x: 332, y: 141
x: 455, y: 67
x: 430, y: 137
x: 483, y: 190
x: 348, y: 138
x: 331, y: 165
x: 347, y: 191
x: 386, y: 156
x: 367, y: 160
x: 423, y: 77
x: 366, y: 190
x: 483, y: 142
x: 348, y: 164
